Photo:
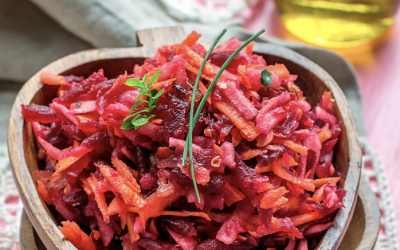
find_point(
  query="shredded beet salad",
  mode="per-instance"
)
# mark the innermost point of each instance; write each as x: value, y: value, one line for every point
x: 262, y: 156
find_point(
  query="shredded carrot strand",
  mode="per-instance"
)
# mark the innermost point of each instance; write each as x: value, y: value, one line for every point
x: 247, y: 128
x: 292, y: 145
x: 52, y: 79
x: 325, y: 133
x: 280, y: 161
x: 134, y: 237
x: 99, y: 197
x: 305, y: 218
x: 64, y: 164
x: 157, y: 121
x: 321, y: 182
x: 186, y: 214
x: 191, y: 39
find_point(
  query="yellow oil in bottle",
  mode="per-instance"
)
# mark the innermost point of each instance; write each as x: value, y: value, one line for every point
x: 337, y: 23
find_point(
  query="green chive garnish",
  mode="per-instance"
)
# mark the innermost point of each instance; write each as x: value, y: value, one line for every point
x: 191, y: 125
x: 188, y: 143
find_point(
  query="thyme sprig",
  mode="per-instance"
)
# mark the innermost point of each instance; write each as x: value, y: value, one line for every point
x: 141, y: 117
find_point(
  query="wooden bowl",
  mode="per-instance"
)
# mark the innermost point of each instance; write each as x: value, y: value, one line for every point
x: 313, y: 80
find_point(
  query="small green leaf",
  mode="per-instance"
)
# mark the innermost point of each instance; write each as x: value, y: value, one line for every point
x: 137, y: 104
x: 138, y: 112
x: 134, y: 82
x: 139, y: 121
x: 159, y: 93
x: 139, y: 95
x: 266, y: 78
x: 144, y: 79
x: 153, y: 92
x: 155, y: 77
x: 127, y: 125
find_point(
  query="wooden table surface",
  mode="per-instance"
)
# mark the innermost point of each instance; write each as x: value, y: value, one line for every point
x: 379, y: 81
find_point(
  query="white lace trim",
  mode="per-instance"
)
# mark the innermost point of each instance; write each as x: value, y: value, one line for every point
x: 373, y: 171
x: 10, y: 214
x: 205, y: 11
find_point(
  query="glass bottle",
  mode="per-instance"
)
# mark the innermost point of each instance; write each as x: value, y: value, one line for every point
x: 338, y: 24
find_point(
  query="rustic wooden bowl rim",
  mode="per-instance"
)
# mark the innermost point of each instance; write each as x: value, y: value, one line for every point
x: 151, y: 40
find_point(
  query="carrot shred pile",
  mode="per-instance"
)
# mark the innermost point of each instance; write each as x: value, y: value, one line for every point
x: 263, y: 157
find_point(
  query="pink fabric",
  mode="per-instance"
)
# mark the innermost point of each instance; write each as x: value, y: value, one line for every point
x: 380, y: 89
